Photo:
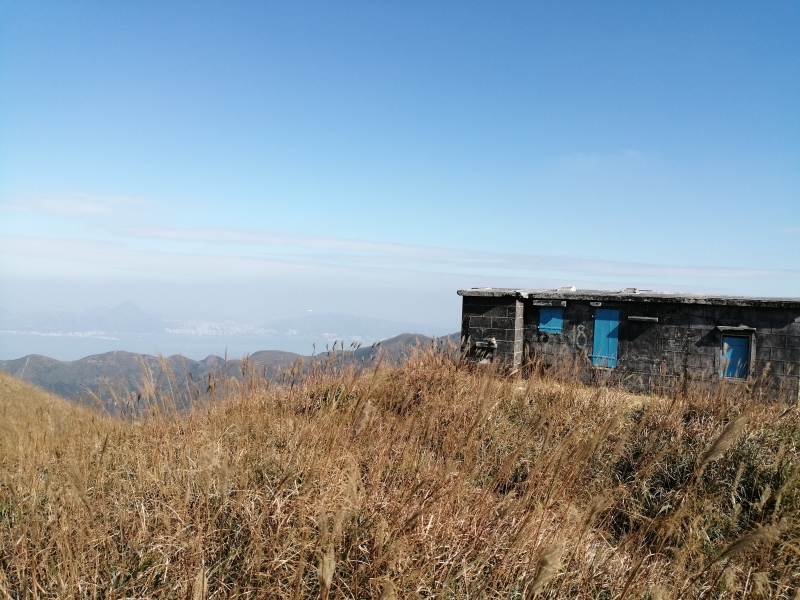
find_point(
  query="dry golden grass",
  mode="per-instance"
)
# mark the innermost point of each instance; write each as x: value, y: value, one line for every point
x: 433, y: 479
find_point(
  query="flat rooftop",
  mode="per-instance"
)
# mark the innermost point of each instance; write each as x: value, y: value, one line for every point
x: 633, y: 295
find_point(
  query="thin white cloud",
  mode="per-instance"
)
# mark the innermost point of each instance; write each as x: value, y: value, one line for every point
x: 233, y: 236
x: 378, y: 253
x: 261, y: 254
x: 79, y: 205
x: 128, y: 234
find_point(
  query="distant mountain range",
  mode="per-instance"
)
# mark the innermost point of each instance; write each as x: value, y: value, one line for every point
x: 118, y: 374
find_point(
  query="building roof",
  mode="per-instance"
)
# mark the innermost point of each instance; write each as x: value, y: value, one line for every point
x: 634, y: 295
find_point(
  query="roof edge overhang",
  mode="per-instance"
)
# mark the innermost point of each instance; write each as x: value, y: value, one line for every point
x: 634, y: 297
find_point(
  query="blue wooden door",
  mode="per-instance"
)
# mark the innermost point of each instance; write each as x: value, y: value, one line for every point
x: 735, y: 356
x: 606, y: 330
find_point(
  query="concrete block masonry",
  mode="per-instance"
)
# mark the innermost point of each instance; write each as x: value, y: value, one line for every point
x: 642, y: 338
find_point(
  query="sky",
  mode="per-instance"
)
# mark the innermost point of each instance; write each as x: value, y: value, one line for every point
x: 264, y: 159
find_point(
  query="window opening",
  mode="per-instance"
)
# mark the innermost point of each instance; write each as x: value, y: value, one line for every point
x: 551, y: 320
x: 735, y: 356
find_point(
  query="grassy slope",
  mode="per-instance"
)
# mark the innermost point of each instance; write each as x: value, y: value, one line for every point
x: 114, y: 373
x: 428, y: 479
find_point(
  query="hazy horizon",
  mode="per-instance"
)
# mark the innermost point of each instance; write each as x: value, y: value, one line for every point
x: 70, y: 335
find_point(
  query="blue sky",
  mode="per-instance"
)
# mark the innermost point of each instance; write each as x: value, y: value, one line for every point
x: 263, y: 159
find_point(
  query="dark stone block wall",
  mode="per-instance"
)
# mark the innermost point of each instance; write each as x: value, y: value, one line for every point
x: 498, y: 319
x: 685, y: 343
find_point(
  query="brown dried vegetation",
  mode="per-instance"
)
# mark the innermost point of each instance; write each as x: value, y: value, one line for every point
x: 432, y: 479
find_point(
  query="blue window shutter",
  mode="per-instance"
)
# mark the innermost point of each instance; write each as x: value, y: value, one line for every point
x: 735, y: 356
x: 551, y: 320
x: 606, y: 337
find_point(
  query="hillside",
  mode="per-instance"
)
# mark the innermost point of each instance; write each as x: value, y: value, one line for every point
x: 24, y: 407
x: 117, y: 373
x: 120, y: 370
x: 429, y: 479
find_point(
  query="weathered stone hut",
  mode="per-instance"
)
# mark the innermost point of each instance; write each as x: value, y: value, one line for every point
x: 640, y: 337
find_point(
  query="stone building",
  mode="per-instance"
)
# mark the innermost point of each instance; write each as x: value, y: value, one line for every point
x: 640, y: 337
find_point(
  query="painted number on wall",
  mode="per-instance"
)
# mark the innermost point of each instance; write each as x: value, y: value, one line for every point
x: 579, y: 336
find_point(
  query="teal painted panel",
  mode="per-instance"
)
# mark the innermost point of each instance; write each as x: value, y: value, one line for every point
x: 606, y: 337
x: 735, y: 356
x: 551, y: 320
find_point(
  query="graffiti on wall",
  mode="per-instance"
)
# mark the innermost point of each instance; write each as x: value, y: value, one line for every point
x: 579, y: 337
